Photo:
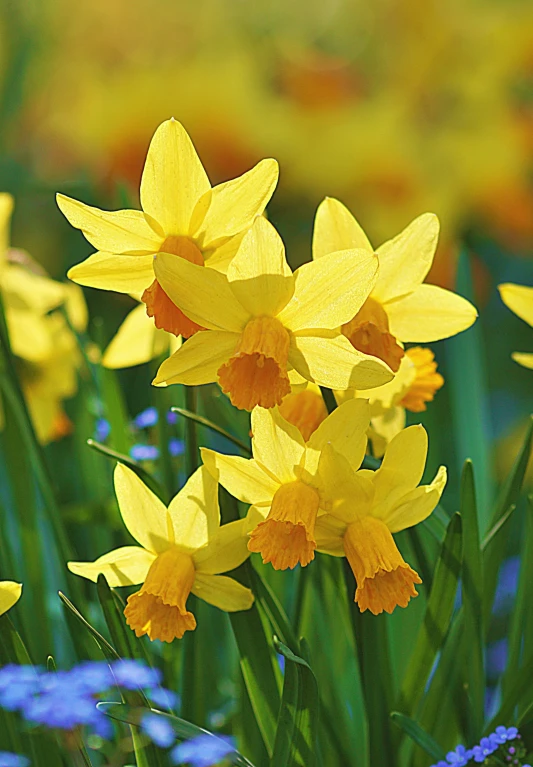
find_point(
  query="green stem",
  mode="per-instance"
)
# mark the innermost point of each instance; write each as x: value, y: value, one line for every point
x: 191, y: 444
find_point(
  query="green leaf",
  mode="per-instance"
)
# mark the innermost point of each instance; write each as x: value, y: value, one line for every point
x: 125, y: 641
x: 200, y: 419
x: 281, y: 755
x: 12, y: 648
x: 108, y: 650
x: 144, y: 475
x: 437, y: 618
x: 472, y: 577
x: 420, y: 736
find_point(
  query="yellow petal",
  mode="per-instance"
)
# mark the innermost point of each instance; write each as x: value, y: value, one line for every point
x: 348, y: 494
x: 259, y: 275
x: 221, y: 257
x: 403, y: 465
x: 429, y: 314
x: 117, y: 231
x: 386, y: 396
x: 333, y: 362
x: 336, y: 229
x: 204, y: 295
x: 198, y: 360
x: 523, y: 358
x: 384, y: 427
x: 230, y: 207
x: 345, y: 429
x: 6, y: 209
x: 24, y: 289
x: 144, y: 515
x: 9, y: 594
x: 194, y: 511
x: 222, y: 592
x: 405, y: 260
x: 29, y: 334
x: 330, y: 291
x: 136, y: 341
x: 329, y: 535
x: 519, y: 299
x: 122, y: 274
x: 243, y: 478
x: 416, y: 505
x: 126, y: 566
x: 276, y: 444
x: 227, y: 550
x: 76, y: 307
x: 173, y: 178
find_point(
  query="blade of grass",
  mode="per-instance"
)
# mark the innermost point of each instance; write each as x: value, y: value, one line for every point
x: 418, y: 735
x: 199, y: 419
x: 146, y: 477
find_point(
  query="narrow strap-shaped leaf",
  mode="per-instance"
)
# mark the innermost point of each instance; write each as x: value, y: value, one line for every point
x: 273, y: 609
x: 420, y: 736
x: 123, y: 638
x: 108, y: 650
x: 200, y: 419
x: 436, y: 620
x: 146, y: 477
x: 472, y: 575
x: 281, y: 754
x: 12, y: 648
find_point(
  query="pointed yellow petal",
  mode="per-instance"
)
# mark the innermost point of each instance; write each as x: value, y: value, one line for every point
x: 329, y: 535
x: 9, y: 594
x: 336, y: 229
x: 416, y: 505
x: 126, y: 566
x: 227, y: 550
x: 29, y: 334
x: 276, y: 444
x: 402, y: 467
x: 173, y: 178
x: 259, y: 275
x: 117, y: 231
x: 136, y: 341
x: 122, y: 274
x: 198, y: 360
x: 345, y: 429
x: 76, y: 307
x: 194, y: 511
x: 349, y: 494
x: 523, y: 358
x: 330, y: 291
x: 384, y: 427
x: 429, y: 314
x: 24, y: 289
x: 229, y: 208
x: 204, y: 295
x: 144, y: 515
x: 221, y: 257
x: 519, y: 299
x: 333, y: 362
x: 243, y: 478
x: 222, y: 592
x: 405, y: 260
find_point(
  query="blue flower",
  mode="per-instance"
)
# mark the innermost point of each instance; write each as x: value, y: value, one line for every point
x: 17, y: 684
x: 144, y: 452
x: 163, y: 698
x: 176, y: 446
x: 503, y: 734
x: 102, y: 430
x: 133, y: 674
x: 13, y: 760
x: 172, y: 418
x: 158, y: 729
x: 487, y: 746
x: 459, y: 757
x: 147, y: 418
x: 203, y: 751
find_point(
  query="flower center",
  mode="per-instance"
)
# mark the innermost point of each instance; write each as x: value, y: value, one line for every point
x: 256, y: 373
x: 158, y: 609
x: 286, y: 537
x: 305, y: 409
x: 167, y: 316
x: 384, y: 580
x: 368, y: 332
x: 427, y: 380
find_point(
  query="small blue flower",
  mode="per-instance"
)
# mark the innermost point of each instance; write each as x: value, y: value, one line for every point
x: 459, y: 757
x: 17, y: 684
x: 176, y: 447
x: 203, y: 751
x: 102, y: 430
x: 163, y: 698
x: 172, y: 418
x: 158, y: 729
x: 144, y: 452
x: 13, y: 760
x: 147, y: 418
x: 133, y: 674
x: 486, y: 747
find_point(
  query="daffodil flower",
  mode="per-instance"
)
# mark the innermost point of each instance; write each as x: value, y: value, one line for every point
x: 262, y: 320
x: 368, y: 507
x: 284, y: 480
x: 519, y: 299
x: 401, y: 307
x: 182, y: 549
x: 10, y: 593
x: 181, y: 215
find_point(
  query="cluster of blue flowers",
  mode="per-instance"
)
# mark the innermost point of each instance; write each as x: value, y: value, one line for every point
x: 146, y: 452
x: 66, y: 700
x: 499, y: 740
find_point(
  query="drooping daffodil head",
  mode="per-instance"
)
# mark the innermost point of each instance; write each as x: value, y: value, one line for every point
x: 182, y: 216
x: 263, y: 320
x: 401, y: 308
x: 368, y: 506
x: 182, y: 549
x: 285, y: 483
x: 519, y: 299
x: 10, y: 593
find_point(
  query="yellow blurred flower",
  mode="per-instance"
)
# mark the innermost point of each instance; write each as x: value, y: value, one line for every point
x: 370, y: 506
x: 182, y: 549
x: 10, y: 593
x: 285, y: 481
x: 519, y: 299
x: 263, y: 320
x: 182, y: 215
x: 138, y: 341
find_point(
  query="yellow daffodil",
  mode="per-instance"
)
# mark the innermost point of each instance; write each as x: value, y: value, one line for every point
x: 181, y: 215
x: 138, y: 341
x: 370, y: 506
x: 9, y: 594
x: 284, y: 481
x: 182, y: 549
x: 262, y: 320
x: 401, y: 307
x: 519, y: 299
